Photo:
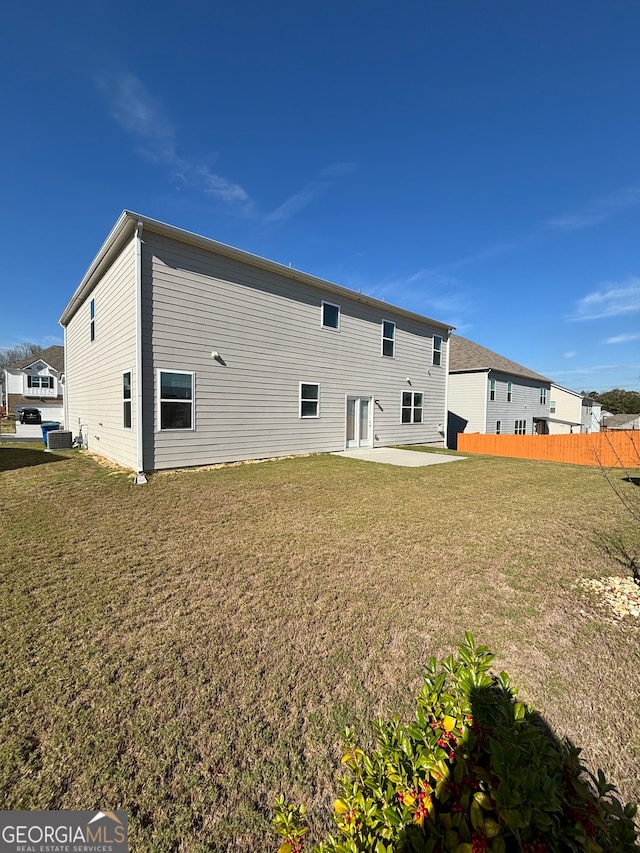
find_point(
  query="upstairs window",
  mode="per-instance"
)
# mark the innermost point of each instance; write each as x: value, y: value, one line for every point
x: 492, y: 389
x: 552, y: 407
x: 509, y: 391
x: 543, y: 396
x: 411, y: 407
x: 330, y: 316
x: 39, y: 381
x: 126, y: 399
x: 309, y: 400
x: 388, y: 338
x: 176, y: 399
x: 437, y: 350
x: 92, y: 327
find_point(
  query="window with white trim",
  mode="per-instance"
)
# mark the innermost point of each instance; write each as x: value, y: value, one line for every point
x: 309, y: 400
x: 126, y: 399
x: 509, y: 391
x: 552, y: 407
x: 92, y: 327
x: 492, y: 389
x: 498, y: 427
x: 176, y: 395
x: 520, y: 428
x: 388, y: 338
x: 543, y: 396
x: 437, y: 350
x: 412, y: 407
x: 330, y: 316
x: 39, y: 381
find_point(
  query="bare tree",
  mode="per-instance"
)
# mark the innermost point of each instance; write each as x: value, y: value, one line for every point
x: 17, y: 353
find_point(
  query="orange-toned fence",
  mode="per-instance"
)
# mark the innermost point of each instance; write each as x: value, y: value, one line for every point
x: 611, y: 449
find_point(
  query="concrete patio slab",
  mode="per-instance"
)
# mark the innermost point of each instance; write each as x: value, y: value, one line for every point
x: 393, y: 456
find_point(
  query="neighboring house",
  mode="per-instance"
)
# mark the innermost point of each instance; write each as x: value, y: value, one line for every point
x: 624, y: 421
x: 182, y: 351
x: 37, y: 382
x: 490, y: 394
x: 571, y: 412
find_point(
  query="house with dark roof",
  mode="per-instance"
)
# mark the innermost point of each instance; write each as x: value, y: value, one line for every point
x: 37, y: 382
x: 491, y: 394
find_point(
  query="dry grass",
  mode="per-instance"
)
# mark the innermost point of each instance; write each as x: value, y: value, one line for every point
x: 187, y: 649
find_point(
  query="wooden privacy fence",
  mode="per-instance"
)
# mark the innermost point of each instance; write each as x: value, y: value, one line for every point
x: 611, y: 449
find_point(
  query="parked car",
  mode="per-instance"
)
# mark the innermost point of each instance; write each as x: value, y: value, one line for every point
x: 30, y: 416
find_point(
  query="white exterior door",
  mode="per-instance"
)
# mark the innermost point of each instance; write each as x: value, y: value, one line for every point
x: 359, y: 422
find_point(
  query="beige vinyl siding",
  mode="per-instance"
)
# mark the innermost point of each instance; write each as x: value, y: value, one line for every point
x: 568, y: 408
x: 467, y: 399
x: 93, y: 384
x: 267, y: 331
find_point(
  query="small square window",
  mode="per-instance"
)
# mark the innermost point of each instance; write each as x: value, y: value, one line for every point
x: 309, y: 400
x: 437, y: 350
x: 411, y: 407
x: 330, y: 316
x: 388, y: 338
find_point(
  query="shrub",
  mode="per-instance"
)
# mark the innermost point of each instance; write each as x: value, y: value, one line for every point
x: 475, y: 771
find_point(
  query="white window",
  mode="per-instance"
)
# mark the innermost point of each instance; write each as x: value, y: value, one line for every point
x: 175, y: 389
x: 412, y: 407
x: 437, y: 350
x: 388, y: 338
x: 509, y: 391
x: 552, y: 407
x: 498, y: 427
x: 39, y: 381
x: 126, y: 399
x: 92, y: 331
x: 543, y: 396
x: 492, y: 389
x: 520, y: 427
x: 309, y: 400
x: 330, y: 316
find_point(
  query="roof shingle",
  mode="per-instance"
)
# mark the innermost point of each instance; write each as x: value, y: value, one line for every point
x: 466, y: 355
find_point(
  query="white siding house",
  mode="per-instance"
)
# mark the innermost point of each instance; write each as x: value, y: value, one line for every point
x: 182, y: 351
x: 37, y: 382
x: 490, y: 394
x: 571, y: 412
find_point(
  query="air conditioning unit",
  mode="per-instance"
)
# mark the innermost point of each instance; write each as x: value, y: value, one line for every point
x: 59, y: 439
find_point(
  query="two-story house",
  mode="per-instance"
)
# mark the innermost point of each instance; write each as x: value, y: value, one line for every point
x: 491, y: 394
x: 37, y: 382
x: 183, y: 351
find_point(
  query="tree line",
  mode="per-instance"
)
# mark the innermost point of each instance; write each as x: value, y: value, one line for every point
x: 618, y: 401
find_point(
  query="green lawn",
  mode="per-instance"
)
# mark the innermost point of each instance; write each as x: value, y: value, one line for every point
x: 188, y: 649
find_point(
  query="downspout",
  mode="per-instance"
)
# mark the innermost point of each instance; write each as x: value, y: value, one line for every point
x: 140, y: 477
x: 445, y: 443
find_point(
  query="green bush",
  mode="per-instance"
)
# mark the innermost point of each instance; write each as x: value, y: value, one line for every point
x: 475, y: 771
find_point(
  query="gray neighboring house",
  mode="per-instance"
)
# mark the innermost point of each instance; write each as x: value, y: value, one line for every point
x: 491, y: 394
x: 37, y: 382
x: 183, y: 351
x: 624, y: 421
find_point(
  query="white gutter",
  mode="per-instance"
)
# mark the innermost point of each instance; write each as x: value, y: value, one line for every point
x: 140, y: 478
x: 446, y: 396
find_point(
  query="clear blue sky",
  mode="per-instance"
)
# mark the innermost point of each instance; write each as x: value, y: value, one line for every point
x: 476, y: 161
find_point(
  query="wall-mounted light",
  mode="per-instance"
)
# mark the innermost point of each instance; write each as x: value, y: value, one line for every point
x: 409, y: 380
x: 215, y: 354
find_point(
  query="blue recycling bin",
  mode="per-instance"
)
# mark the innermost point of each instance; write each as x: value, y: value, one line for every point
x: 46, y: 427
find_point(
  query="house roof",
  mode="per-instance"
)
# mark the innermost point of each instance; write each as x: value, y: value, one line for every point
x: 621, y: 421
x: 127, y: 224
x: 466, y: 356
x: 53, y: 356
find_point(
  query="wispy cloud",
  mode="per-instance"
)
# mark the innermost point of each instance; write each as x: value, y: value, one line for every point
x: 571, y: 354
x: 623, y: 339
x: 304, y: 197
x: 138, y: 112
x: 597, y: 210
x: 611, y: 300
x: 297, y: 202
